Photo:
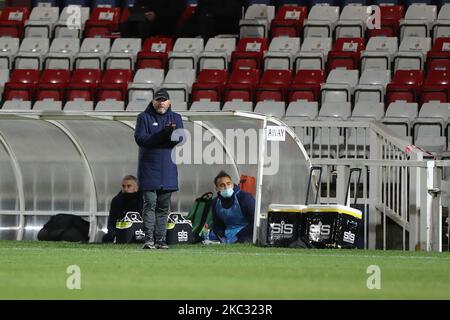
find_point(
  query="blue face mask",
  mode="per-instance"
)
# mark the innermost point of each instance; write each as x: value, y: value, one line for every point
x: 227, y: 193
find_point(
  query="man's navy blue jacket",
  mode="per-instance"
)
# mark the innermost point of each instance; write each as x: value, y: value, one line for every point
x: 156, y: 170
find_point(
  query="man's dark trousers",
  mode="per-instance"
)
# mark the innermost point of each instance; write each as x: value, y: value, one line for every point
x: 155, y: 213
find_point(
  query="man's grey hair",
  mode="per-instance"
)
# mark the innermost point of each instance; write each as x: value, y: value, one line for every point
x: 130, y: 177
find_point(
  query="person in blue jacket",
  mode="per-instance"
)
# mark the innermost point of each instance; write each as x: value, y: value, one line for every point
x: 157, y: 173
x: 233, y: 212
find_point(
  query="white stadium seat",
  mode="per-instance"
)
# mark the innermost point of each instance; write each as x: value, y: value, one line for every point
x: 92, y: 53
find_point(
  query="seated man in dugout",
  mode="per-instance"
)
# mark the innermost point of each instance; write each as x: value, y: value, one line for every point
x: 233, y: 212
x: 129, y: 199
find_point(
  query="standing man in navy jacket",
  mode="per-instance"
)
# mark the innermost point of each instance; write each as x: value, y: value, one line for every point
x: 157, y: 173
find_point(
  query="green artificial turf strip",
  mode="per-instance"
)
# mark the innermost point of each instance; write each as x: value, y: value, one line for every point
x: 37, y: 270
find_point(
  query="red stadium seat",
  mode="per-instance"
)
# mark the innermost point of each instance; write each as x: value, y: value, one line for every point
x: 438, y: 64
x: 83, y: 84
x: 441, y: 45
x: 241, y: 85
x: 405, y: 85
x: 52, y: 84
x: 306, y: 85
x: 439, y: 56
x: 12, y: 20
x: 408, y: 77
x: 390, y: 21
x: 249, y: 53
x: 114, y: 84
x: 154, y: 53
x: 21, y: 85
x: 209, y: 85
x: 345, y: 54
x: 436, y: 86
x: 288, y: 21
x: 273, y: 85
x: 103, y: 22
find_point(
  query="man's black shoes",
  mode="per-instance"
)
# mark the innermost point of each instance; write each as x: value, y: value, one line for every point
x: 161, y: 245
x: 149, y: 245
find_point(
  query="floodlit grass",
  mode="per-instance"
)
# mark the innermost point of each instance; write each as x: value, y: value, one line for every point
x: 37, y: 270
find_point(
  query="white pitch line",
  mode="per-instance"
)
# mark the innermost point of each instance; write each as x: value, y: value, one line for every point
x: 176, y: 251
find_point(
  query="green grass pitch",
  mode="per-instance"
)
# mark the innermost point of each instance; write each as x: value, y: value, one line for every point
x: 38, y: 270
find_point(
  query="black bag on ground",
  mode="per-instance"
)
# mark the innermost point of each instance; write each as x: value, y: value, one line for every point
x: 179, y: 230
x: 65, y: 227
x: 130, y: 229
